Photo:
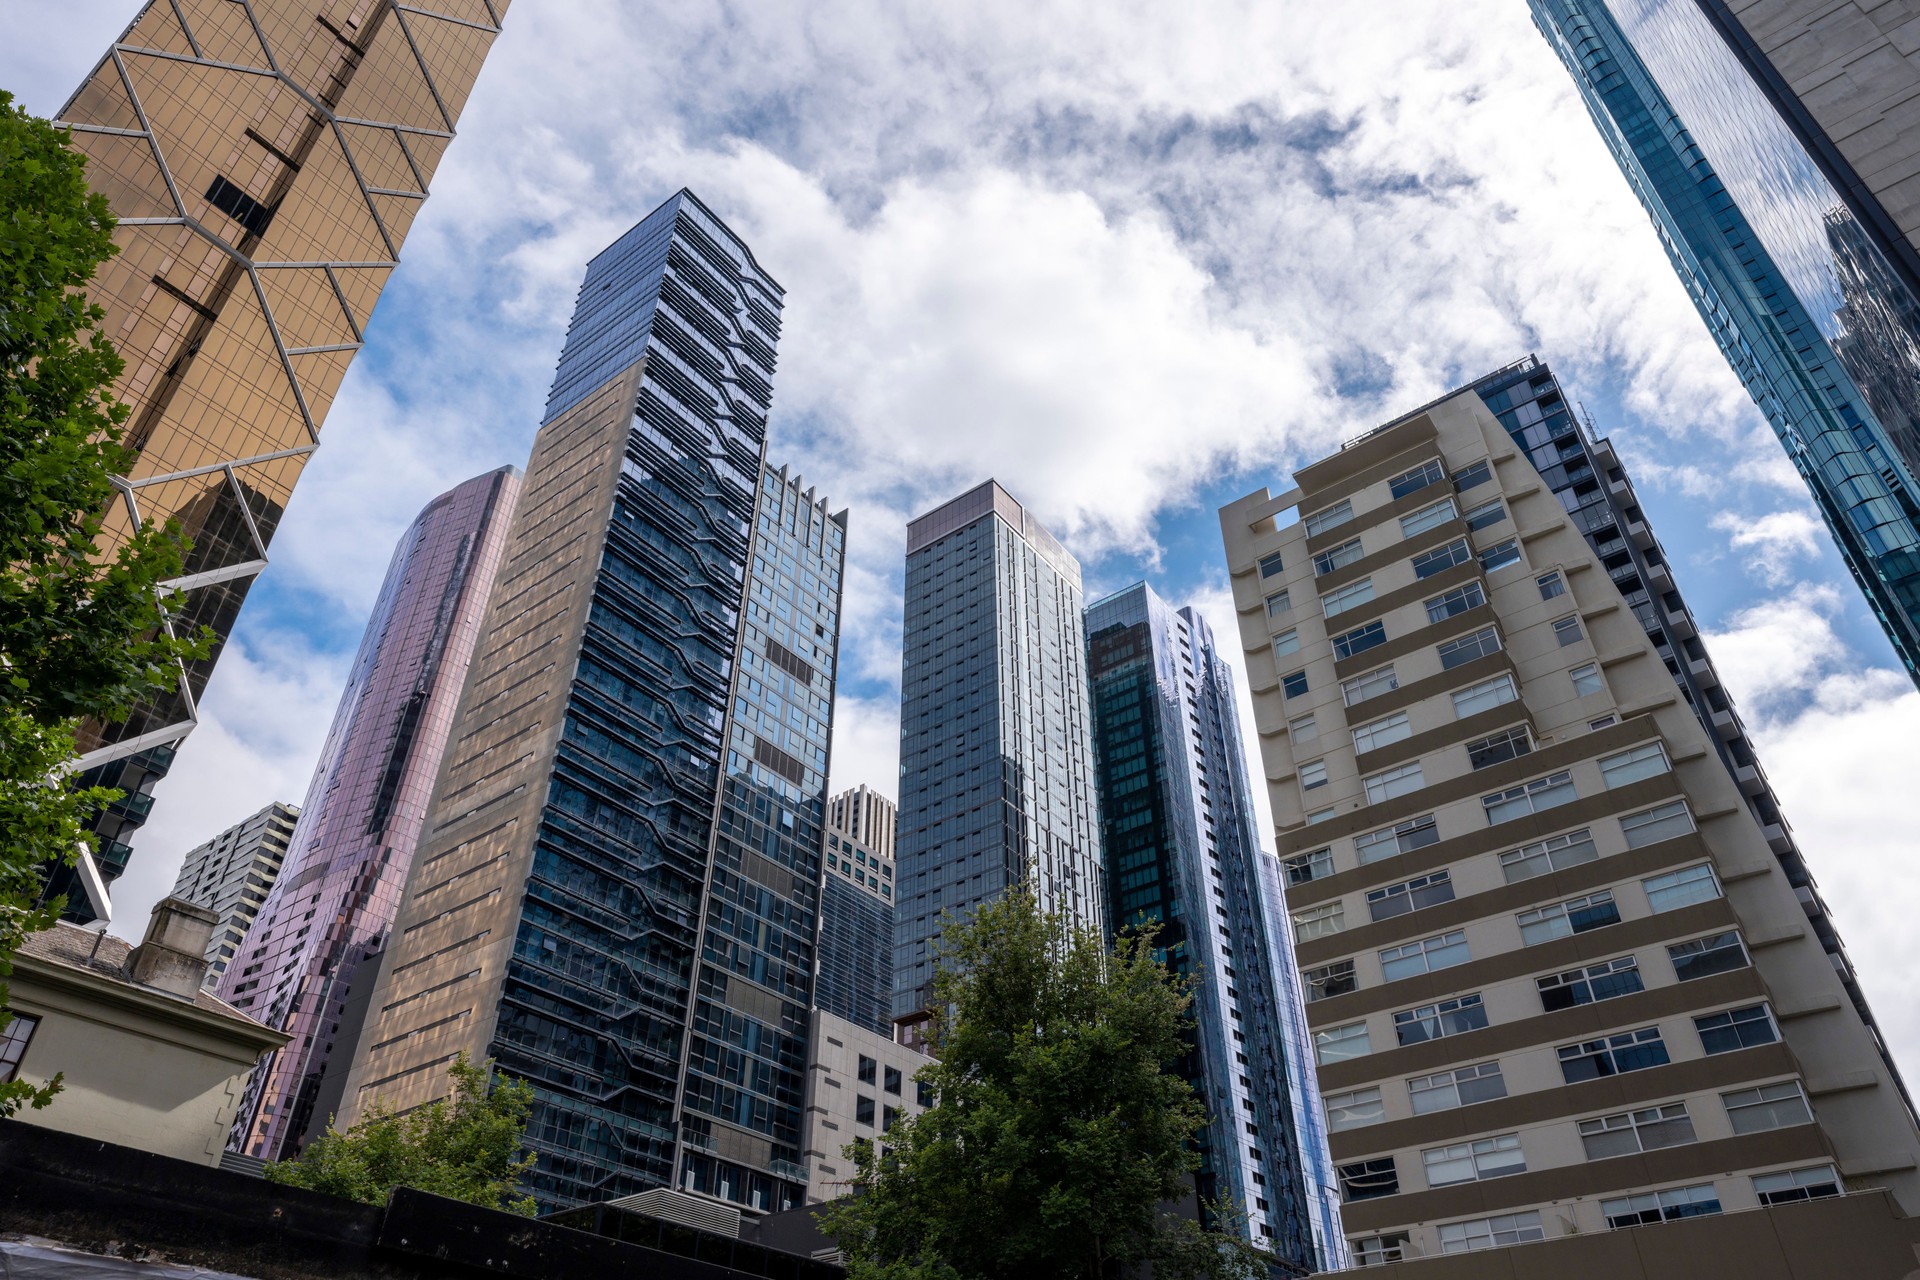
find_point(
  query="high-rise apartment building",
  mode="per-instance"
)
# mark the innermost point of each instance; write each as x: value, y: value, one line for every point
x: 616, y: 891
x: 233, y: 874
x: 996, y: 732
x: 1808, y: 284
x: 334, y: 904
x: 1183, y: 852
x: 853, y: 977
x: 1561, y: 978
x: 265, y: 160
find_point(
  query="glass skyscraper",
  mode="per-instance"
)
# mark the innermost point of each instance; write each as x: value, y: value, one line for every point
x: 855, y: 962
x: 616, y: 897
x: 1182, y: 851
x: 1806, y: 292
x: 334, y: 901
x: 265, y: 161
x: 996, y: 733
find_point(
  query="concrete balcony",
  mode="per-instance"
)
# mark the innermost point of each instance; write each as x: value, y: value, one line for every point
x: 1704, y: 673
x: 1680, y: 624
x: 1779, y: 839
x: 1641, y: 534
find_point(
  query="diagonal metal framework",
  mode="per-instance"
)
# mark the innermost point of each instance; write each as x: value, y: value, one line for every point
x: 265, y: 159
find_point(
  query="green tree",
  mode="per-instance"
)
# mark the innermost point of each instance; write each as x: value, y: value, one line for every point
x: 1058, y: 1140
x: 466, y: 1147
x: 80, y: 624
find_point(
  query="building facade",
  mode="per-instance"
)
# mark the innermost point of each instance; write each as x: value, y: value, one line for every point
x: 1559, y: 979
x: 1183, y: 853
x: 1809, y: 296
x: 233, y: 874
x: 859, y: 1081
x: 865, y: 815
x: 996, y: 730
x: 853, y: 978
x: 335, y: 901
x: 616, y: 893
x: 265, y: 161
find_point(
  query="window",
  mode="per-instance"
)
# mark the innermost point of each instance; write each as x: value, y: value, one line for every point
x: 1500, y: 555
x: 1555, y: 853
x: 1286, y: 642
x: 1337, y: 557
x: 1370, y: 685
x: 1603, y: 981
x: 1487, y: 513
x: 1474, y: 1161
x: 1369, y: 1179
x: 1771, y: 1106
x: 868, y: 1069
x: 1612, y: 1055
x: 887, y: 1116
x: 1428, y: 472
x: 1338, y: 1044
x: 1410, y: 895
x: 1564, y: 919
x: 1377, y: 1251
x: 892, y: 1081
x: 1379, y: 733
x: 1442, y: 951
x: 1318, y: 922
x: 13, y: 1043
x: 1441, y: 559
x: 1467, y: 477
x: 1529, y: 797
x: 1404, y: 837
x: 923, y: 1093
x: 1662, y: 822
x: 1439, y: 1020
x: 1603, y: 722
x: 1271, y: 565
x: 1294, y: 684
x: 1350, y: 596
x: 1330, y: 980
x: 1631, y: 1132
x: 1313, y: 774
x: 1498, y: 748
x: 1278, y: 603
x: 1587, y: 680
x: 1394, y: 782
x: 1567, y: 631
x: 1681, y: 888
x: 1550, y: 586
x: 1798, y: 1184
x: 1734, y: 1029
x: 1703, y: 957
x: 863, y: 1110
x: 1660, y: 1206
x: 1428, y: 517
x: 1351, y: 1110
x: 1648, y: 760
x: 1302, y: 728
x: 1321, y: 521
x: 1465, y: 649
x: 1458, y: 600
x: 1476, y: 698
x: 1319, y: 815
x: 1461, y: 1087
x: 1359, y: 640
x: 1302, y: 867
x: 1491, y: 1233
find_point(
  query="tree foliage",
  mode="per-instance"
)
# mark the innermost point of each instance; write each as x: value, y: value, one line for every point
x: 466, y: 1147
x: 80, y: 626
x: 1058, y: 1142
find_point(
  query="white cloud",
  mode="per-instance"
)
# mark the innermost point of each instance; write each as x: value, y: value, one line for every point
x: 1773, y: 543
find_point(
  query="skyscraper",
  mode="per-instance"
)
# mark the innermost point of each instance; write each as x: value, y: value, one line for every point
x: 996, y: 734
x: 1794, y: 264
x: 854, y: 961
x: 1183, y: 851
x: 617, y: 890
x: 335, y: 900
x: 1561, y: 976
x: 265, y: 160
x: 233, y: 874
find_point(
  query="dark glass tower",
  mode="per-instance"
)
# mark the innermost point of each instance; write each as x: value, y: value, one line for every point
x: 1178, y: 828
x: 854, y: 979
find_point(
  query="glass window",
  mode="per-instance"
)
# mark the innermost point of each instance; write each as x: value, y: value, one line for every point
x: 1591, y: 983
x: 1428, y: 472
x: 1648, y: 760
x: 1662, y: 822
x: 1294, y: 683
x: 1465, y: 649
x: 1487, y: 513
x: 1320, y: 815
x: 1734, y: 1029
x: 1474, y: 1161
x: 1476, y: 698
x: 892, y: 1080
x: 1681, y: 888
x: 868, y: 1069
x: 888, y: 1115
x: 1359, y: 640
x: 1771, y: 1106
x: 1475, y: 474
x: 1285, y: 643
x: 1491, y: 1233
x: 1498, y: 748
x: 1461, y: 1087
x: 1500, y: 555
x: 1337, y: 1044
x: 1404, y: 837
x: 1441, y: 951
x: 14, y: 1038
x: 1318, y: 922
x: 1313, y: 774
x: 1587, y: 680
x: 1660, y: 1206
x: 1458, y: 600
x: 1377, y: 1251
x: 863, y: 1110
x: 1612, y: 1055
x: 1337, y: 557
x: 1278, y: 603
x: 1567, y: 630
x: 1529, y: 797
x: 1370, y: 685
x: 1564, y: 919
x: 1329, y: 980
x: 1441, y: 559
x: 1351, y: 1110
x: 1399, y: 781
x: 1603, y: 722
x: 1555, y: 853
x: 1550, y: 586
x: 1797, y: 1184
x: 1302, y: 867
x: 1703, y: 957
x: 1427, y: 517
x: 1410, y: 895
x: 1369, y: 1179
x: 1350, y: 596
x: 1438, y: 1020
x: 1631, y: 1132
x: 1303, y: 728
x: 923, y: 1093
x: 1271, y: 565
x: 1321, y: 521
x: 1379, y: 733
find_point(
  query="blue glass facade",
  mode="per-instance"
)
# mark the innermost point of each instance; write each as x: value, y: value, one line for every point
x: 1812, y: 317
x: 1178, y: 830
x: 855, y: 978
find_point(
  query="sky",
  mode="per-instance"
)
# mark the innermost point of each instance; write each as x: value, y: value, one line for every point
x: 1135, y: 260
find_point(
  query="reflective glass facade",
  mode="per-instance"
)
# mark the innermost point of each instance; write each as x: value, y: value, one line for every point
x: 1178, y: 830
x: 335, y: 899
x: 996, y: 734
x: 265, y: 159
x: 854, y: 979
x: 1811, y: 314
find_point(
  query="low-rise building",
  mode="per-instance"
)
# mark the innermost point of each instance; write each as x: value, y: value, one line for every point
x: 858, y: 1083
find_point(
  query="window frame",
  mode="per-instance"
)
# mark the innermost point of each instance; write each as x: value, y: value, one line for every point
x: 1481, y: 1158
x: 1449, y: 1083
x: 1348, y: 552
x: 1729, y: 942
x: 1387, y: 730
x: 1399, y: 831
x: 1474, y: 646
x: 1660, y: 906
x: 1454, y: 1016
x: 1321, y: 920
x: 1272, y: 565
x: 1326, y: 1037
x: 1431, y: 516
x: 1556, y: 784
x: 1670, y: 1204
x: 1414, y: 479
x: 1600, y: 902
x: 1640, y: 1124
x: 1501, y: 555
x: 1368, y: 635
x: 1548, y: 848
x: 1346, y: 1105
x: 1609, y: 1049
x: 1652, y: 818
x: 1737, y: 1026
x: 1760, y: 1100
x: 1499, y: 747
x: 1459, y: 600
x: 1583, y: 978
x: 1449, y: 943
x: 1416, y: 894
x: 1350, y: 595
x: 1437, y: 560
x: 1391, y: 784
x: 1365, y: 684
x: 1328, y: 517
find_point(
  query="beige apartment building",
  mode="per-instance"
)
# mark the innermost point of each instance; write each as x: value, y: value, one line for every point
x: 1557, y: 981
x: 858, y: 1083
